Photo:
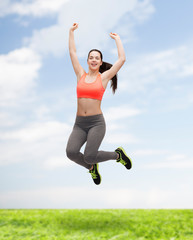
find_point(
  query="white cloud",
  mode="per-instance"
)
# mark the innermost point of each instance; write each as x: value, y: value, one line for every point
x: 93, y: 20
x: 120, y: 138
x: 18, y: 71
x: 38, y: 142
x: 42, y: 112
x: 116, y: 128
x: 157, y: 68
x: 148, y: 152
x: 49, y: 40
x: 36, y: 8
x: 165, y: 159
x: 7, y: 119
x: 57, y: 162
x: 4, y: 6
x: 36, y: 131
x: 143, y: 10
x: 42, y: 153
x: 89, y: 197
x: 175, y: 161
x: 120, y: 112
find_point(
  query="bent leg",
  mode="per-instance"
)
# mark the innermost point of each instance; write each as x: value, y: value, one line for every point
x: 75, y: 142
x: 94, y: 139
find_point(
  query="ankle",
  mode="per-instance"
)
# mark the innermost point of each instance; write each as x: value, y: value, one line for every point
x: 117, y: 156
x: 91, y: 168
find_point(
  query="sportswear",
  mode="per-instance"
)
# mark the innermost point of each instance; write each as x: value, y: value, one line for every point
x: 93, y: 90
x: 90, y: 129
x: 123, y: 158
x: 95, y: 174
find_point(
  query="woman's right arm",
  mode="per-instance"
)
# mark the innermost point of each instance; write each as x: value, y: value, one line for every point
x: 72, y: 50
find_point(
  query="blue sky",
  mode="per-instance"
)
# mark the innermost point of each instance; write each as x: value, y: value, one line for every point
x: 150, y: 115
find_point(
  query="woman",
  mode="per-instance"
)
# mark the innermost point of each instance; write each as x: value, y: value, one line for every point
x: 90, y: 124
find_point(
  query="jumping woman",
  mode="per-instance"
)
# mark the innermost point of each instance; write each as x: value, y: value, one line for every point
x: 90, y: 124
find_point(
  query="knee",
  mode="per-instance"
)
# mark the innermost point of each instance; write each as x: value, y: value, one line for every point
x: 90, y: 158
x: 71, y: 153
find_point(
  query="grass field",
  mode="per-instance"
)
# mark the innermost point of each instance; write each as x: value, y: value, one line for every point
x: 93, y: 224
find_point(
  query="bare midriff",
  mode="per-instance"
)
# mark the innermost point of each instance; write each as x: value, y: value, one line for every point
x: 88, y: 106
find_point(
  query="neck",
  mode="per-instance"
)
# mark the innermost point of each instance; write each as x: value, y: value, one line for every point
x: 93, y: 73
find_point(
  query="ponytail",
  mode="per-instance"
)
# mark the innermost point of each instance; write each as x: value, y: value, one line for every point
x: 104, y: 67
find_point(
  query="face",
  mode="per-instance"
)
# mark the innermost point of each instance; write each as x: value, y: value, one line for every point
x: 94, y: 60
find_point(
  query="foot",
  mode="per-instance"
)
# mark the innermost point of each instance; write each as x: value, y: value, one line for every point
x: 123, y: 158
x: 95, y: 174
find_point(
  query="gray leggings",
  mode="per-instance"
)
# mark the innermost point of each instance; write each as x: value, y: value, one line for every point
x: 91, y: 129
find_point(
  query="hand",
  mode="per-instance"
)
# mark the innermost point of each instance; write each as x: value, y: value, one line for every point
x: 114, y: 35
x: 74, y: 26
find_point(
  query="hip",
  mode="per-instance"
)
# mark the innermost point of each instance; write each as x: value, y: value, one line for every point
x: 87, y: 122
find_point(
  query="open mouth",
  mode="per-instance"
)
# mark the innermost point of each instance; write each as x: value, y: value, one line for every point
x: 93, y: 64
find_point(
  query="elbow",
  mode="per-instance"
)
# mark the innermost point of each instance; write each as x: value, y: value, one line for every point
x: 123, y: 59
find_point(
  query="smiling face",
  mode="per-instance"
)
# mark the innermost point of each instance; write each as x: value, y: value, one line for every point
x: 94, y: 60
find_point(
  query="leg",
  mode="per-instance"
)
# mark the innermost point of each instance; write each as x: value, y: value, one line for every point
x: 94, y: 139
x: 75, y: 142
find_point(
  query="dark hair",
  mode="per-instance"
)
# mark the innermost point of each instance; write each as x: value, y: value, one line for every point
x: 104, y: 67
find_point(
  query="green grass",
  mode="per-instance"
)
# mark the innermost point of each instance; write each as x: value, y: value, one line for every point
x: 101, y: 224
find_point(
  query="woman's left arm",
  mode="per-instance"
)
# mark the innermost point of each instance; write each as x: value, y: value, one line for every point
x: 109, y: 74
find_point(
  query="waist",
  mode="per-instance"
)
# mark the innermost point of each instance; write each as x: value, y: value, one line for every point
x: 90, y: 118
x: 88, y: 106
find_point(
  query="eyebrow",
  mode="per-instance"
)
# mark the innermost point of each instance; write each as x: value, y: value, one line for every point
x: 96, y: 56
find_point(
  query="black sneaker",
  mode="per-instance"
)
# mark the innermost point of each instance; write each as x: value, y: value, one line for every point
x: 123, y: 158
x: 95, y: 174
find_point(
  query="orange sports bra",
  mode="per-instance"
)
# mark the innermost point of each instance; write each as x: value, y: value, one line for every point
x: 90, y: 90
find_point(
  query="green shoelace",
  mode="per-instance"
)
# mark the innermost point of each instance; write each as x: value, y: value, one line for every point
x: 94, y: 175
x: 123, y: 162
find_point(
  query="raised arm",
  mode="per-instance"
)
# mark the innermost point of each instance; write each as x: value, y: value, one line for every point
x: 109, y: 74
x: 72, y: 51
